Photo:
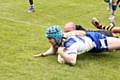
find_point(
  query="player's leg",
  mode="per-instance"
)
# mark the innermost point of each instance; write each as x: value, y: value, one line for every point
x: 99, y: 25
x: 110, y: 4
x: 114, y: 7
x: 113, y: 43
x: 31, y: 8
x: 110, y: 27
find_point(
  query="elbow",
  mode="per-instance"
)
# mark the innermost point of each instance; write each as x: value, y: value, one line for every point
x: 72, y: 62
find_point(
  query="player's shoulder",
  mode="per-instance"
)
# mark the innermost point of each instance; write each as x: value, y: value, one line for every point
x: 69, y: 41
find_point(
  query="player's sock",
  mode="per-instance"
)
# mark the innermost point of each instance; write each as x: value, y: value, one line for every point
x: 116, y: 35
x: 31, y: 2
x: 108, y: 27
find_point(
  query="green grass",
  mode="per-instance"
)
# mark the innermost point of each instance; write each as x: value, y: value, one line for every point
x: 22, y: 36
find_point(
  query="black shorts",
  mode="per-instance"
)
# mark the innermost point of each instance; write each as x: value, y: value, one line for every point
x: 106, y: 32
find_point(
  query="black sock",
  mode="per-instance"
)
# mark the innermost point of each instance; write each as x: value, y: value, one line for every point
x: 31, y: 2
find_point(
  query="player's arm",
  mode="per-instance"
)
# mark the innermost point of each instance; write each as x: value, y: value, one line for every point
x: 68, y: 58
x: 79, y: 32
x: 50, y: 51
x: 75, y: 32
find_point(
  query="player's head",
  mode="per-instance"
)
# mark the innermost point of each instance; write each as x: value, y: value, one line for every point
x: 70, y: 26
x: 55, y: 32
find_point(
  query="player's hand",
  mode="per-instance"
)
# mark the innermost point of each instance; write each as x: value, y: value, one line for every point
x: 60, y: 50
x: 39, y: 55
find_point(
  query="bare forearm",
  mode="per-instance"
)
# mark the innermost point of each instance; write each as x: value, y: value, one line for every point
x: 50, y: 51
x: 70, y: 59
x: 66, y: 57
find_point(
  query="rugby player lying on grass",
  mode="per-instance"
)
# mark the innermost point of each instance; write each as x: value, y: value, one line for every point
x: 74, y: 43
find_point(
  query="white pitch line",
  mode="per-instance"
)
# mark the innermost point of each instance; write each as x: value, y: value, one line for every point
x: 18, y: 21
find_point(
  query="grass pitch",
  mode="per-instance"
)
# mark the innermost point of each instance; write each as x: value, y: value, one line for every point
x: 22, y: 36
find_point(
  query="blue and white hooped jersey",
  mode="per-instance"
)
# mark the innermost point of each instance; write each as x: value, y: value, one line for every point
x: 78, y: 45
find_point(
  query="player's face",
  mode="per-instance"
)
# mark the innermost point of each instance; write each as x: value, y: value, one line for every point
x: 52, y: 41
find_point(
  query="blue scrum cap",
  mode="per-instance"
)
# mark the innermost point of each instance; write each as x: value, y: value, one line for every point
x: 55, y: 32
